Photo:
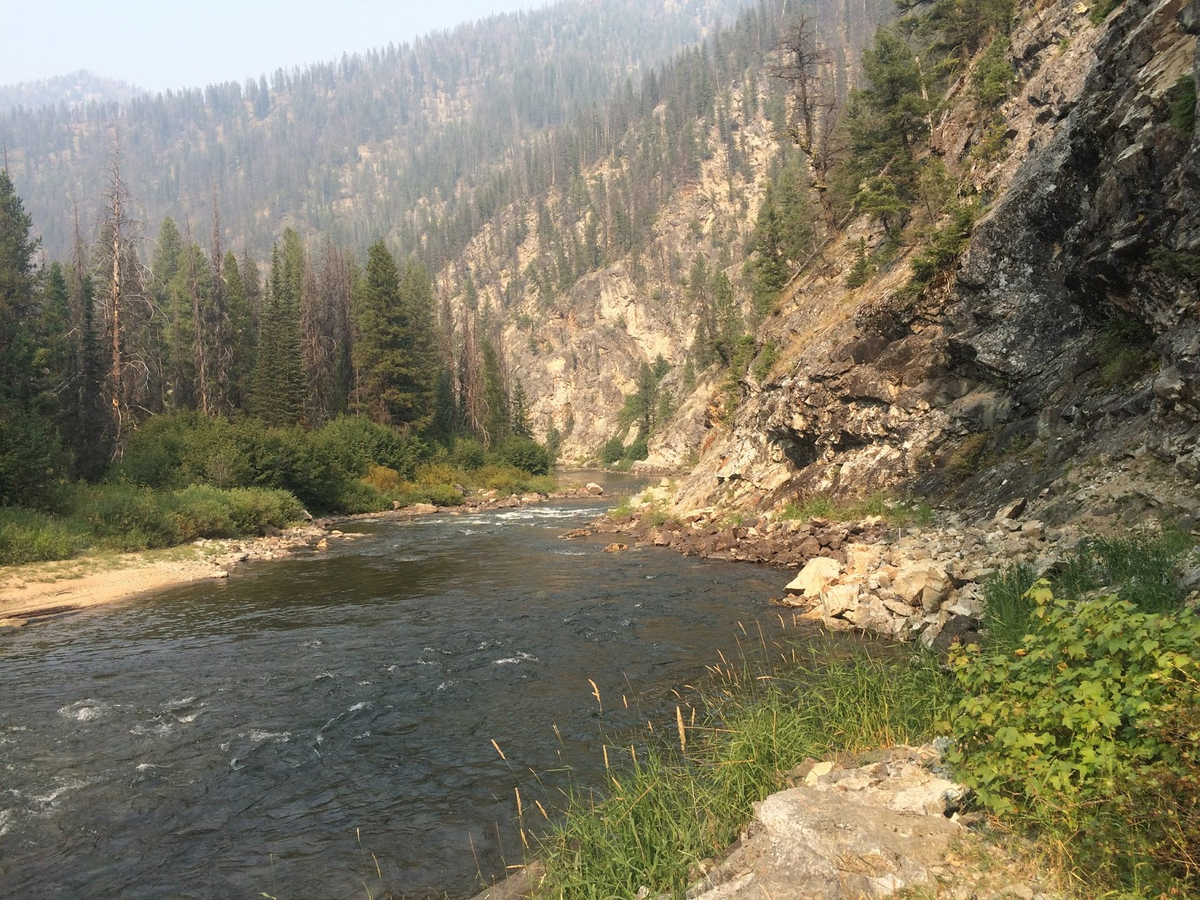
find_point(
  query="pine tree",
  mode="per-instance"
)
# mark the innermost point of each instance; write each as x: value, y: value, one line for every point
x: 17, y: 292
x: 395, y: 347
x: 241, y: 333
x: 279, y: 383
x: 30, y: 457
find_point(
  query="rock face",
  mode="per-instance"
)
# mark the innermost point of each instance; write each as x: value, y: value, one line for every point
x: 1068, y: 331
x: 848, y: 833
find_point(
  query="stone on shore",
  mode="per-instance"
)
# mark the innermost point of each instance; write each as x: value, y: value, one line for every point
x: 844, y: 833
x: 815, y: 576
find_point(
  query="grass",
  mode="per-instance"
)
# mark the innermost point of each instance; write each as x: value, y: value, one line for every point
x: 676, y: 802
x: 678, y: 796
x: 897, y: 513
x: 123, y: 518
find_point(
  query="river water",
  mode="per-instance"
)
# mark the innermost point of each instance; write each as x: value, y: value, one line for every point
x: 322, y: 727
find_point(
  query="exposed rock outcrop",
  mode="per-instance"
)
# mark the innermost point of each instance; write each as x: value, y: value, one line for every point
x: 1068, y: 333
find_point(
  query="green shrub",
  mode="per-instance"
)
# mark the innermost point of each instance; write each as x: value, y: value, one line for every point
x: 127, y: 517
x: 356, y: 443
x: 993, y: 75
x: 860, y: 271
x: 443, y: 495
x: 468, y: 454
x: 1182, y: 99
x: 1070, y: 730
x: 945, y: 245
x: 254, y: 510
x: 383, y: 479
x: 201, y: 511
x: 28, y: 536
x: 186, y: 448
x: 527, y: 455
x: 612, y: 451
x: 639, y: 449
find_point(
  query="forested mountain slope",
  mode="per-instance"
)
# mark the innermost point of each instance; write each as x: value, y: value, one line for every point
x: 66, y: 91
x: 623, y: 283
x: 417, y: 143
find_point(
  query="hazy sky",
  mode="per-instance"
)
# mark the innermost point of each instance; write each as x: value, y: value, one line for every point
x: 182, y: 43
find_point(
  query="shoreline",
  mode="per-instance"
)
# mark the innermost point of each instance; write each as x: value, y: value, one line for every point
x: 44, y: 590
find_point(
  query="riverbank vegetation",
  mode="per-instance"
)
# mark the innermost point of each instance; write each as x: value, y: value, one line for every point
x: 147, y: 407
x: 1076, y: 723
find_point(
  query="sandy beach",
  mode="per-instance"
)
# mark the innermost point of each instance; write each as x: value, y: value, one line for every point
x: 37, y: 590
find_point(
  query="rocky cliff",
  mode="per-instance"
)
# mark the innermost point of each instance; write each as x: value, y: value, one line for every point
x: 1060, y: 359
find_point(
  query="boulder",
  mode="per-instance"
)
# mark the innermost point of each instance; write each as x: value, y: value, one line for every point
x: 616, y: 547
x: 815, y: 576
x: 419, y: 509
x: 824, y: 845
x: 594, y: 489
x: 840, y: 599
x: 872, y: 615
x: 922, y: 584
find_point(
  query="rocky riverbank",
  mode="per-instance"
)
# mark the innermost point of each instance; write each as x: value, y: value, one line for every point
x: 902, y: 581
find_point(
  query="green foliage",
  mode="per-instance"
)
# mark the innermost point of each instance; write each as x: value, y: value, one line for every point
x: 27, y: 536
x: 33, y: 464
x: 1007, y: 607
x: 394, y: 350
x: 1182, y: 99
x: 898, y: 513
x: 1071, y: 729
x: 357, y: 443
x: 945, y: 245
x: 612, y: 451
x: 468, y: 454
x: 1101, y: 9
x: 668, y: 810
x: 527, y: 455
x: 767, y: 357
x: 280, y: 383
x: 1181, y: 264
x: 1140, y: 569
x: 1124, y: 349
x: 125, y: 517
x: 860, y: 272
x: 993, y: 75
x: 322, y: 468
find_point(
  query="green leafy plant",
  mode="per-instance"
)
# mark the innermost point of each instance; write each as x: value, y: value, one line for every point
x: 1067, y: 728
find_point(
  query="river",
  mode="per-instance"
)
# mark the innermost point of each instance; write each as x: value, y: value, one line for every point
x: 323, y: 726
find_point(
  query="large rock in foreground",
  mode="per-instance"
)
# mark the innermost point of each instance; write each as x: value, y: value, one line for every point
x: 847, y: 833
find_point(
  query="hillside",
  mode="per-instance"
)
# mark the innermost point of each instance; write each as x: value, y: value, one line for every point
x: 416, y: 143
x: 1055, y: 359
x: 75, y: 89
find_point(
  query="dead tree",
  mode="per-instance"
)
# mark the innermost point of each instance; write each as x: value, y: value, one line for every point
x: 816, y: 104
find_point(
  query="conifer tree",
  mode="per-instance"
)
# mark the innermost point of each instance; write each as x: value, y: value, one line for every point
x: 241, y: 333
x: 394, y: 350
x: 279, y: 383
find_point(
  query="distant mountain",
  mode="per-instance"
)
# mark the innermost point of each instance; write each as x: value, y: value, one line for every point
x: 377, y: 144
x: 74, y: 89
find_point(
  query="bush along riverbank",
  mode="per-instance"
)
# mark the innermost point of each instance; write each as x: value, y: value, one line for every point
x: 1068, y: 712
x: 190, y: 476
